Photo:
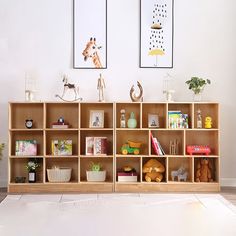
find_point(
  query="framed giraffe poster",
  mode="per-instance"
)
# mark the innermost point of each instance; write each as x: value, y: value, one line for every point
x: 156, y: 33
x: 90, y: 34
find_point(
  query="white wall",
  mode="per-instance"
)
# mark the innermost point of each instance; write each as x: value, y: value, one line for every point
x: 36, y: 37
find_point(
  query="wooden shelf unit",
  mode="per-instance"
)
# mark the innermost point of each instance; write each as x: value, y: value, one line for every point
x: 77, y: 115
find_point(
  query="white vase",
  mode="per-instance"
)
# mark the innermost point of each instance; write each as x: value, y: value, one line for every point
x: 197, y: 97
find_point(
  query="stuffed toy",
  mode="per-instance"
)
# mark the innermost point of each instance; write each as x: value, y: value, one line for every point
x: 153, y: 170
x: 204, y: 171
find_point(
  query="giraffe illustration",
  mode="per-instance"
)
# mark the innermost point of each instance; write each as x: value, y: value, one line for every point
x: 91, y: 51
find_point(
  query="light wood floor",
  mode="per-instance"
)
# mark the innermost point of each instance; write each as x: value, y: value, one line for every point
x: 228, y: 193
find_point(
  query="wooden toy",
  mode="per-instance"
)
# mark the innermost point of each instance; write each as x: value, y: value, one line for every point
x: 131, y: 148
x: 181, y: 174
x: 198, y: 149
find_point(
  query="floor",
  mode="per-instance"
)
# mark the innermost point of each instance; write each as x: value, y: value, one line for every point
x: 119, y: 214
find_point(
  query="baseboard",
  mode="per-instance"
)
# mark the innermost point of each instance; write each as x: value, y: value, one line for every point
x: 228, y: 182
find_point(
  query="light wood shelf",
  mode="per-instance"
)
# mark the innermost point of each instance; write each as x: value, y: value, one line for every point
x: 78, y: 115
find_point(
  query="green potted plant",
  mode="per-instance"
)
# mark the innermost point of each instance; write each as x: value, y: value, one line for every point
x: 32, y: 166
x: 95, y: 172
x: 197, y: 85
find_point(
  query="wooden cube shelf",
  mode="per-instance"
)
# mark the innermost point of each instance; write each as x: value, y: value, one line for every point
x: 77, y: 115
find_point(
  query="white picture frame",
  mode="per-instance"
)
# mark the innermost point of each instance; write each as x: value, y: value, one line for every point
x: 96, y: 119
x: 90, y: 34
x: 153, y: 121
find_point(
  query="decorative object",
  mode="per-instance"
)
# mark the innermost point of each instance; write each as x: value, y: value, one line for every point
x: 153, y: 121
x: 20, y: 179
x: 96, y: 146
x: 174, y: 147
x: 96, y: 119
x: 122, y: 118
x: 199, y: 119
x: 208, y: 122
x: 132, y: 122
x: 156, y: 34
x: 136, y: 97
x: 198, y: 149
x: 168, y: 88
x: 153, y: 170
x: 96, y: 173
x: 29, y: 123
x: 131, y: 148
x: 197, y: 85
x: 204, y: 171
x: 26, y: 147
x: 32, y: 166
x: 62, y: 147
x: 90, y: 34
x: 69, y: 87
x: 30, y: 88
x: 101, y: 86
x: 59, y: 174
x: 180, y: 174
x: 60, y: 124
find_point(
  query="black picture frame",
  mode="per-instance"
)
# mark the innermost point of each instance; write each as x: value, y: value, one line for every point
x: 171, y: 50
x: 77, y: 63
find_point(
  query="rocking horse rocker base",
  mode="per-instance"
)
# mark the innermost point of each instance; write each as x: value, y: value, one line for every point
x: 75, y: 100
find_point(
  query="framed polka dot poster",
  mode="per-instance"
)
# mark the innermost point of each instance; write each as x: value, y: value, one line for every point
x: 156, y: 33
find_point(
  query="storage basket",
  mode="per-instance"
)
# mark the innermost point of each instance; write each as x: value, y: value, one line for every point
x: 62, y: 174
x: 96, y: 176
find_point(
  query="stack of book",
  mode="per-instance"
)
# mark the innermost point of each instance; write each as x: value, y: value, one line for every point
x: 177, y: 120
x: 157, y: 148
x: 60, y: 125
x: 127, y: 177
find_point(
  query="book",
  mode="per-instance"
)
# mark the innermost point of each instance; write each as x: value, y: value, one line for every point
x: 96, y: 146
x: 154, y: 145
x: 26, y: 148
x: 62, y: 147
x: 177, y: 120
x: 127, y: 177
x: 60, y: 126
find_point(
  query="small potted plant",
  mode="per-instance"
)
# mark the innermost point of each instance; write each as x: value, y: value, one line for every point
x: 95, y: 172
x: 197, y: 85
x: 31, y: 166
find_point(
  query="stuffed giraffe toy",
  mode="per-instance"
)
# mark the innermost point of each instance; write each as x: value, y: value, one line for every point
x: 91, y: 51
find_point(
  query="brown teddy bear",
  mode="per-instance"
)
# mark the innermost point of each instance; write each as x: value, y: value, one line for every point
x: 153, y: 170
x: 204, y: 171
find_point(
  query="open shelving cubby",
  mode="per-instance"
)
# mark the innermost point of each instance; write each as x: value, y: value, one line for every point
x: 77, y: 116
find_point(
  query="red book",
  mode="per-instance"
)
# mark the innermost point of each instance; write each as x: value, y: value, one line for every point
x: 154, y: 144
x: 127, y: 174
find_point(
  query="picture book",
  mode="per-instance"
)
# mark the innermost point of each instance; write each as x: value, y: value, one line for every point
x: 26, y: 148
x: 62, y: 147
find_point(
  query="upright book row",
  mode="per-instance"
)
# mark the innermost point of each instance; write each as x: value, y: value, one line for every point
x: 121, y: 139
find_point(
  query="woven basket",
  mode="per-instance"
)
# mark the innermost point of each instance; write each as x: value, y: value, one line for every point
x: 59, y: 174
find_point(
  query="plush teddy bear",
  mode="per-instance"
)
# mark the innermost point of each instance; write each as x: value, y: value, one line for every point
x: 204, y: 171
x: 153, y: 170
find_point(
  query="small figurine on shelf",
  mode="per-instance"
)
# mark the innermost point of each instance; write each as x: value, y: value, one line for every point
x: 174, y: 147
x: 122, y: 118
x: 204, y: 171
x: 69, y: 87
x: 101, y: 86
x: 199, y: 119
x: 181, y: 174
x: 208, y: 122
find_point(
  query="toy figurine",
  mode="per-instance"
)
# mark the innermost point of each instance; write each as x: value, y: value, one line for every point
x: 208, y: 122
x: 204, y: 171
x: 199, y: 119
x: 122, y: 118
x: 101, y: 86
x: 181, y: 174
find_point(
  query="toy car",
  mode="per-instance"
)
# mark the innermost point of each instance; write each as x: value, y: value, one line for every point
x: 131, y: 148
x: 198, y: 149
